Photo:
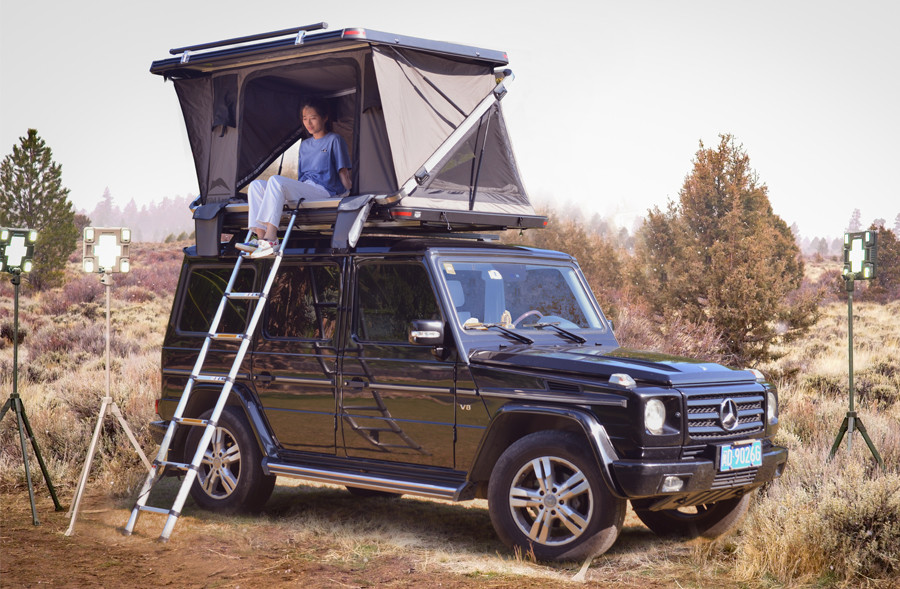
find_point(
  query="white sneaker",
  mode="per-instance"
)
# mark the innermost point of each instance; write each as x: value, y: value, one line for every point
x: 265, y: 249
x: 249, y: 246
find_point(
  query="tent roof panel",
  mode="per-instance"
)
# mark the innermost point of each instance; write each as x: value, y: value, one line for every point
x: 198, y: 60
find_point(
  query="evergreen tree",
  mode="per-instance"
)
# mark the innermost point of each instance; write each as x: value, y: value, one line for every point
x: 720, y: 255
x: 32, y: 196
x: 855, y: 222
x: 105, y: 213
x: 886, y: 285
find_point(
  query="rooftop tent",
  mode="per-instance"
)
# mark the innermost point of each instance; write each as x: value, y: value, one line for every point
x: 422, y: 119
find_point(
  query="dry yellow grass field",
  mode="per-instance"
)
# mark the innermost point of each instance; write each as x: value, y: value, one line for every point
x: 826, y: 523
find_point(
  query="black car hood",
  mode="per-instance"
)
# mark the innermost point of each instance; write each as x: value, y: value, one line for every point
x: 597, y: 362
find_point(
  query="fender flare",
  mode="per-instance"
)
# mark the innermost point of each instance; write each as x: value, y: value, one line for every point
x: 243, y: 397
x: 505, y: 428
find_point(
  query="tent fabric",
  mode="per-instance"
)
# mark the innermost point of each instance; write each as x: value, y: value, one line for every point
x: 425, y: 98
x: 393, y: 106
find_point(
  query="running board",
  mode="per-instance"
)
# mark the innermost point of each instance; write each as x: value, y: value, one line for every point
x: 365, y: 481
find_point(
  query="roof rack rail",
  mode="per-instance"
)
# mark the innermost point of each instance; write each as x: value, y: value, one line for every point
x: 237, y: 40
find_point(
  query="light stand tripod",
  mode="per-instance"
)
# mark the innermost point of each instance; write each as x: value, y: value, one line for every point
x: 15, y: 403
x: 852, y: 420
x: 108, y: 403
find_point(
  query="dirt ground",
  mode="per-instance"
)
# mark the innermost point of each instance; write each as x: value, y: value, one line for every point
x: 278, y: 549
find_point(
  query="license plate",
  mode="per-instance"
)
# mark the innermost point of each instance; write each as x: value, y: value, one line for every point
x: 740, y: 455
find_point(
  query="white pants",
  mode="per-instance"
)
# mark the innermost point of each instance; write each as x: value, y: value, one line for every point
x: 267, y: 198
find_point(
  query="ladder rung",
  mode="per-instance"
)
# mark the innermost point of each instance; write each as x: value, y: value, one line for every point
x: 176, y: 465
x: 227, y: 336
x: 160, y: 510
x: 209, y: 378
x: 190, y: 421
x: 346, y: 408
x: 252, y: 296
x: 375, y: 429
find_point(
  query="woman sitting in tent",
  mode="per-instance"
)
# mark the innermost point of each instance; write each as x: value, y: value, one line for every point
x: 324, y: 172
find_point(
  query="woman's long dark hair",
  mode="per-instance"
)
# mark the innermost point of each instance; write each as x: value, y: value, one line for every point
x: 321, y: 108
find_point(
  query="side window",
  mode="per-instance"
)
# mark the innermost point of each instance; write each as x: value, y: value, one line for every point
x: 389, y: 297
x: 204, y: 292
x: 303, y: 303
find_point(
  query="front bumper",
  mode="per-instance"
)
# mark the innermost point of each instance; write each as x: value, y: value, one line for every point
x: 642, y: 482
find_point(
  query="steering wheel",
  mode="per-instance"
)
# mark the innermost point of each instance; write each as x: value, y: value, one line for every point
x: 527, y: 314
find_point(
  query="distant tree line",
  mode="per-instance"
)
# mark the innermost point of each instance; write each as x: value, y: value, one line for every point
x: 159, y: 221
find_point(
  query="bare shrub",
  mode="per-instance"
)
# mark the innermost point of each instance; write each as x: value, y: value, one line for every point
x: 84, y: 289
x: 674, y: 334
x: 8, y: 331
x: 135, y: 294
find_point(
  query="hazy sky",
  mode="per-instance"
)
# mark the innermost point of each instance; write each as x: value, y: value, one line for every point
x: 610, y: 101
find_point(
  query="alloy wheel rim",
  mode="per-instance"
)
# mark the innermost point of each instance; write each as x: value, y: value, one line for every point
x: 551, y: 501
x: 220, y: 468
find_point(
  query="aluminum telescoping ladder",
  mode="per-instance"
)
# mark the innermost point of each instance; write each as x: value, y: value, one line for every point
x: 191, y: 469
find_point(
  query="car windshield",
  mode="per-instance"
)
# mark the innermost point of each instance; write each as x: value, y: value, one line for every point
x: 530, y: 297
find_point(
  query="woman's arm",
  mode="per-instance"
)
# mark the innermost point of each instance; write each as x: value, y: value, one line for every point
x: 344, y: 174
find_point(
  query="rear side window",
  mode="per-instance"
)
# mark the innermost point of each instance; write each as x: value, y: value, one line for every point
x: 204, y: 293
x: 389, y: 297
x: 303, y: 303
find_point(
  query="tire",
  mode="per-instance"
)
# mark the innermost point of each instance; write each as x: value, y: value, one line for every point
x: 709, y: 521
x: 230, y: 477
x: 372, y: 493
x: 546, y: 495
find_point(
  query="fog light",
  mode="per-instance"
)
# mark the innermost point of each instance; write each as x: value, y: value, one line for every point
x: 672, y: 485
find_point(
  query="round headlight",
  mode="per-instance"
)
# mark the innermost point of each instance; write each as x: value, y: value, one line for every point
x: 654, y: 416
x: 772, y: 407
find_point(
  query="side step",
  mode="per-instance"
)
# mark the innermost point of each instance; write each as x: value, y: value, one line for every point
x: 369, y: 481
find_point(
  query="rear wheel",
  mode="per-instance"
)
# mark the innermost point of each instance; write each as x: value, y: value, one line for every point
x: 709, y: 521
x: 230, y: 476
x: 547, y: 495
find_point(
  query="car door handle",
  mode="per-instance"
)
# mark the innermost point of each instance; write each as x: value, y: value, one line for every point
x: 263, y: 378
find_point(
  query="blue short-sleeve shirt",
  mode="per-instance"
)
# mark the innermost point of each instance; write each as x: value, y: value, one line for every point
x: 320, y: 160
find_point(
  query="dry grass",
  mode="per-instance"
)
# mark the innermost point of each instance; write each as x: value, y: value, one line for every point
x: 825, y: 523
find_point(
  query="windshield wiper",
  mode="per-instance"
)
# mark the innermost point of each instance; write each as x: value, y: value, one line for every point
x: 516, y: 336
x: 563, y: 332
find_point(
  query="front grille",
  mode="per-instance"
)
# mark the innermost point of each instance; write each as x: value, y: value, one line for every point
x: 704, y: 423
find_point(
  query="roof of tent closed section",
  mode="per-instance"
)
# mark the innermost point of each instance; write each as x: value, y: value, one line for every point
x: 194, y: 60
x: 421, y: 119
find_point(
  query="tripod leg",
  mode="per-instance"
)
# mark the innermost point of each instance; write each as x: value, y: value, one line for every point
x: 20, y: 410
x: 865, y: 435
x: 40, y: 459
x: 85, y: 471
x: 6, y: 407
x: 115, y: 409
x: 837, y: 441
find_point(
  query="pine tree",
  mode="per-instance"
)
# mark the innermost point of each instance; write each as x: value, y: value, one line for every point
x: 720, y: 255
x: 855, y: 222
x: 32, y: 196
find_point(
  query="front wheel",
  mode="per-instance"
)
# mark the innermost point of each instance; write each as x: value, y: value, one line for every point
x: 230, y: 477
x: 547, y: 495
x: 709, y: 521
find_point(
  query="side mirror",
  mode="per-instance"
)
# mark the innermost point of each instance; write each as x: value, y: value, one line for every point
x: 427, y: 332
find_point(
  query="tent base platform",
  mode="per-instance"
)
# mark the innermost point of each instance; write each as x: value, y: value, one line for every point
x: 229, y: 221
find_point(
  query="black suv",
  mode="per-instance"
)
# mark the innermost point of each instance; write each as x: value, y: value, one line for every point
x: 396, y: 356
x: 460, y: 369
